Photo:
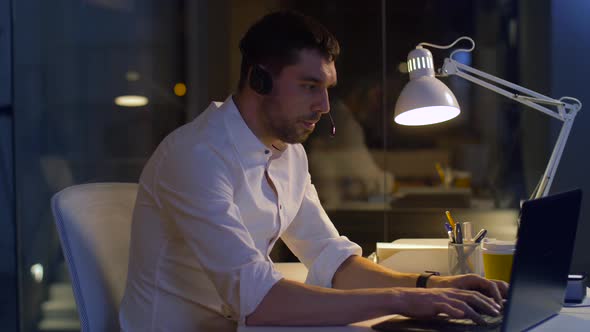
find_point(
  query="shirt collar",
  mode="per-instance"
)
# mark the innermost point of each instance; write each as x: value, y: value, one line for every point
x: 250, y: 149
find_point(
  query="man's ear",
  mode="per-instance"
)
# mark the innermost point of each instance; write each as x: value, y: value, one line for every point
x: 260, y: 80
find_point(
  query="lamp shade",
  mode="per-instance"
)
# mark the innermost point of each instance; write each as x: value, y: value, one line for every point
x: 425, y: 99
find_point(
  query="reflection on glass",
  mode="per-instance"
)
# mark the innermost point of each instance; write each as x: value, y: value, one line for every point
x: 88, y: 108
x: 131, y: 101
x: 342, y: 167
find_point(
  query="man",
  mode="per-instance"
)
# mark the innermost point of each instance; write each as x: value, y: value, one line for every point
x: 219, y: 191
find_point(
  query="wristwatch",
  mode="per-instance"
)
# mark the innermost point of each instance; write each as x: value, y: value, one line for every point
x: 423, y: 278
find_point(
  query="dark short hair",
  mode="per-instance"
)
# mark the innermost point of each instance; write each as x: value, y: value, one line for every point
x: 275, y: 40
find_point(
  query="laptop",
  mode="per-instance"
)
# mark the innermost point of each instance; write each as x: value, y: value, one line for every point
x: 540, y: 269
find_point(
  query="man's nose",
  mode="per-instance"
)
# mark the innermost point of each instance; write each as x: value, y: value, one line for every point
x: 323, y: 103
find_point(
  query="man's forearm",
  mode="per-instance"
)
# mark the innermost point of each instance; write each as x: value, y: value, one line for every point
x: 293, y: 303
x: 359, y: 272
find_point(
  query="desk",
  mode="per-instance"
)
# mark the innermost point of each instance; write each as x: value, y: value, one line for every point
x: 367, y: 223
x: 569, y: 319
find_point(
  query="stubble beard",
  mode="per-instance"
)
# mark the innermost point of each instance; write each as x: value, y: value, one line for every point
x: 281, y: 127
x: 289, y: 133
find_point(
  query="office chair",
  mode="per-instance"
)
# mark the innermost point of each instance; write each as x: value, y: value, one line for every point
x: 94, y: 225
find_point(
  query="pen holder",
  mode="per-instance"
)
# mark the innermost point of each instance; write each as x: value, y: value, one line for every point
x: 465, y: 258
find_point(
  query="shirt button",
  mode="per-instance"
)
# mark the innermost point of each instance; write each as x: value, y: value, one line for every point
x: 280, y: 206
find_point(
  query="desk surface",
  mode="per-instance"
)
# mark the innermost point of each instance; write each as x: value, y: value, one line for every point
x: 570, y: 319
x: 574, y: 318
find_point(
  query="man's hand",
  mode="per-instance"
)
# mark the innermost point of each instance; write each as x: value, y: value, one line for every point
x: 456, y: 303
x: 496, y: 289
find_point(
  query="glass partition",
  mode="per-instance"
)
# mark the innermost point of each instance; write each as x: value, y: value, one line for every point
x: 72, y: 60
x: 8, y: 261
x: 75, y: 59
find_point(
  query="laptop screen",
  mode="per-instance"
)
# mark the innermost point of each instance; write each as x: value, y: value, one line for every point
x: 543, y: 255
x: 541, y: 265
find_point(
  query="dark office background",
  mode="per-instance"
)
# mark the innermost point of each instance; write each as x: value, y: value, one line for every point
x: 63, y: 62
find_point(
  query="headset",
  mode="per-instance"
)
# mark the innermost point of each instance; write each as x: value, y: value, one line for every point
x: 261, y: 82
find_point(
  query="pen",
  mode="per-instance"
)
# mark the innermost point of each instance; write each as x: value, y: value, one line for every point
x: 481, y: 235
x: 451, y: 237
x: 458, y: 234
x: 449, y: 230
x: 451, y: 221
x: 448, y: 227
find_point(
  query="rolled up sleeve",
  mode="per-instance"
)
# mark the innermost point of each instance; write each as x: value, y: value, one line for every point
x: 315, y: 241
x: 198, y: 199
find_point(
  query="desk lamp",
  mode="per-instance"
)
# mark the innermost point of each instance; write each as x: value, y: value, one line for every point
x: 426, y: 100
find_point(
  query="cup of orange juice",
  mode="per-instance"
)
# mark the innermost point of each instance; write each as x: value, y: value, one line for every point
x: 497, y: 258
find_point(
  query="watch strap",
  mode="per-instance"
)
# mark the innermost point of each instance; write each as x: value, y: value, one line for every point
x: 423, y: 278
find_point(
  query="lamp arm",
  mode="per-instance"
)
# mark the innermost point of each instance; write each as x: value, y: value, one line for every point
x: 531, y: 98
x: 566, y: 112
x: 547, y: 179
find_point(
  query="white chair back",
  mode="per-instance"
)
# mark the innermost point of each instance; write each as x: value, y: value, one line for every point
x: 94, y: 225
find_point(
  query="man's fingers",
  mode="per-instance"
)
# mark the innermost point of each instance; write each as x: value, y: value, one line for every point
x: 497, y: 289
x: 483, y: 303
x: 503, y: 287
x: 445, y: 308
x: 489, y: 300
x: 480, y: 302
x: 495, y: 292
x: 492, y: 288
x: 467, y: 310
x: 456, y: 303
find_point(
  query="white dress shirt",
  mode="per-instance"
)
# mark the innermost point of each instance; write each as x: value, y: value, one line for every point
x: 206, y: 219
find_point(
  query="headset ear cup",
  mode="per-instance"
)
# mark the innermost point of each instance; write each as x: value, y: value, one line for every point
x: 260, y: 80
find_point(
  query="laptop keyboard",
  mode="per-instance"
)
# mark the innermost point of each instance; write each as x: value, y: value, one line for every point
x: 492, y: 323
